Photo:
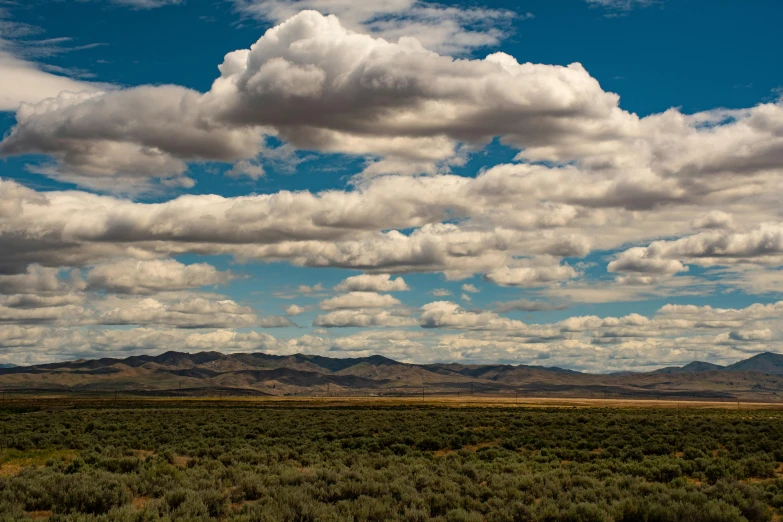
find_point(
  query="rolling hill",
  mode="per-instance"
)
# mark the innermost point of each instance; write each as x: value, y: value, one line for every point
x: 208, y: 373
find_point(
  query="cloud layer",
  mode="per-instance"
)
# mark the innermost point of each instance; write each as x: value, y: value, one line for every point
x: 599, y: 204
x: 676, y: 334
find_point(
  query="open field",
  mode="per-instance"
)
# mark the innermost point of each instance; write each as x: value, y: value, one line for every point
x: 371, y: 459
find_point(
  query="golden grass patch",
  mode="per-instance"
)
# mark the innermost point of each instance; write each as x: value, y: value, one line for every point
x: 144, y: 454
x: 141, y: 502
x: 181, y: 461
x: 474, y: 448
x: 13, y: 461
x: 10, y: 470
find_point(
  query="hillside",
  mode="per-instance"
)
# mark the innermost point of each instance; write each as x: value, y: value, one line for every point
x: 213, y: 373
x: 771, y: 363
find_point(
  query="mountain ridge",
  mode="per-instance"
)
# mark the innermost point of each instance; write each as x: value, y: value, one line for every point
x: 302, y: 374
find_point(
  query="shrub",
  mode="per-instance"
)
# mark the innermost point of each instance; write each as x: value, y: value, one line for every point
x: 92, y: 493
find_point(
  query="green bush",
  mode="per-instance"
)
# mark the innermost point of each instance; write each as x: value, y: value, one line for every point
x: 93, y: 493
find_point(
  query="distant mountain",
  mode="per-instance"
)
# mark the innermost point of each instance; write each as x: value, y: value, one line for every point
x: 211, y: 373
x: 695, y: 366
x: 7, y: 366
x: 701, y: 366
x: 771, y: 363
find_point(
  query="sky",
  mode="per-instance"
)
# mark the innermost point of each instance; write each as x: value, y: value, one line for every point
x: 589, y: 184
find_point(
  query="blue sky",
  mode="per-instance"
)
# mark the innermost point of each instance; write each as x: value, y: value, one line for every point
x: 626, y: 207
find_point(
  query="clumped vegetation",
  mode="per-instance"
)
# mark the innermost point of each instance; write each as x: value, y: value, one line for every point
x: 397, y: 463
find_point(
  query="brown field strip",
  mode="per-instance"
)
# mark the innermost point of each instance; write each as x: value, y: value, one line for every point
x: 448, y: 401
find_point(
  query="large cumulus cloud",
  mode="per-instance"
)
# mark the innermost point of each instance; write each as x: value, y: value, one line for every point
x: 319, y: 86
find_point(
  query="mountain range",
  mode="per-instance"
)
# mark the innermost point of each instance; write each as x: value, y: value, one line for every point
x: 209, y: 373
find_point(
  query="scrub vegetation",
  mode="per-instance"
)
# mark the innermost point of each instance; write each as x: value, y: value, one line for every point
x: 204, y: 461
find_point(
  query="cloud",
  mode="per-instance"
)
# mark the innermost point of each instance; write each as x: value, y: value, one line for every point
x: 34, y: 301
x: 246, y: 168
x: 530, y: 276
x: 642, y: 261
x: 752, y: 280
x: 354, y: 300
x: 124, y: 138
x: 708, y: 315
x: 589, y: 177
x: 36, y: 279
x: 398, y: 344
x: 316, y: 85
x: 440, y: 28
x: 714, y: 219
x: 751, y: 335
x: 33, y: 309
x: 304, y: 289
x: 525, y: 305
x: 372, y: 283
x: 622, y: 5
x: 445, y: 314
x: 187, y: 311
x: 440, y: 292
x: 306, y: 229
x: 286, y: 85
x: 35, y: 344
x: 364, y: 318
x: 293, y: 309
x: 42, y: 296
x: 628, y: 288
x: 148, y: 277
x: 470, y: 289
x: 346, y: 229
x: 31, y: 83
x: 289, y: 80
x: 146, y: 4
x: 762, y: 244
